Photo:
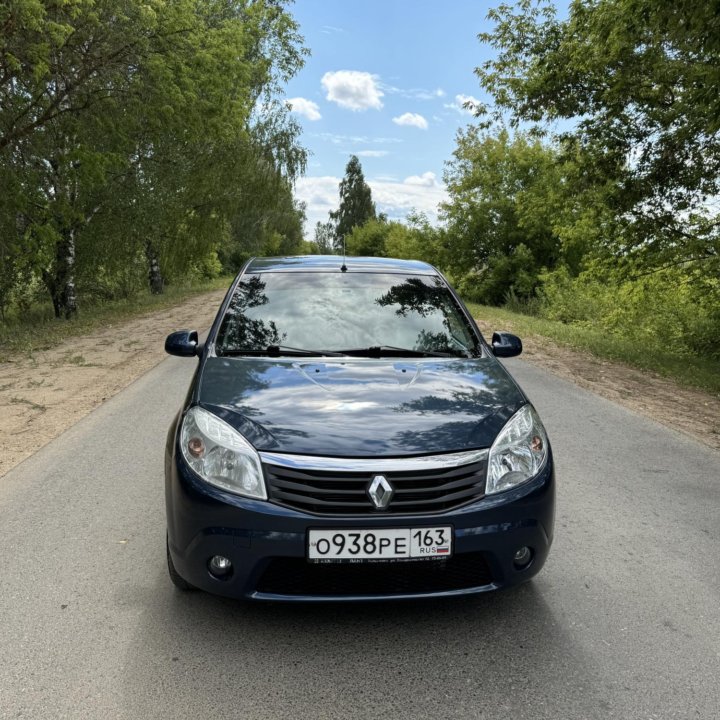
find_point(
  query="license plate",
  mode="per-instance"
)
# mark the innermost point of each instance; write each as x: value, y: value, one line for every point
x: 379, y: 544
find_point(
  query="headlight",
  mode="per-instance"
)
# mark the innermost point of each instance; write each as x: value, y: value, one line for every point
x: 220, y: 455
x: 519, y: 451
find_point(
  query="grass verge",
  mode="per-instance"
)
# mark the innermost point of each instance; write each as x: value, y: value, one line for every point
x: 688, y: 370
x: 40, y: 330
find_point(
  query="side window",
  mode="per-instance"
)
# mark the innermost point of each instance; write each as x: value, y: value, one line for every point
x: 458, y: 329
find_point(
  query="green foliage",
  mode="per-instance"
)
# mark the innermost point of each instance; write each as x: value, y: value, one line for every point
x: 135, y: 132
x: 415, y: 239
x: 207, y: 269
x: 526, y: 230
x: 323, y: 240
x: 356, y: 205
x: 271, y: 227
x: 609, y: 228
x: 505, y: 214
x: 670, y: 308
x: 638, y: 80
x: 601, y: 217
x: 505, y: 276
x: 369, y: 239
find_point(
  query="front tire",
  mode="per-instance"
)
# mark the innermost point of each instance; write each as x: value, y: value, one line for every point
x: 179, y: 582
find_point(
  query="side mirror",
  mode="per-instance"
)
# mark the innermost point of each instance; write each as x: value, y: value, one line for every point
x: 506, y: 344
x: 183, y: 343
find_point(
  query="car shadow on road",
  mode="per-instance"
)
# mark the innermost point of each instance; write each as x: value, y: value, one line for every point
x: 502, y: 654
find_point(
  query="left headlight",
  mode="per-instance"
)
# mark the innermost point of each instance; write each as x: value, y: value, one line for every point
x: 518, y: 453
x: 220, y: 455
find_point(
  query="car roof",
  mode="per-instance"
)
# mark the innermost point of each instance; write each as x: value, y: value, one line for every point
x: 333, y: 263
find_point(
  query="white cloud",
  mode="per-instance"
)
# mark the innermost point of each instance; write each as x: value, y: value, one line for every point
x: 371, y: 153
x: 355, y: 139
x: 307, y: 108
x: 412, y: 120
x: 413, y: 93
x: 427, y: 179
x: 352, y: 90
x: 418, y: 192
x: 460, y: 101
x: 330, y: 29
x: 321, y: 194
x: 397, y: 199
x: 420, y: 94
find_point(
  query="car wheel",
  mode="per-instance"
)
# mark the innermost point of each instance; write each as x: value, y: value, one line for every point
x: 179, y: 582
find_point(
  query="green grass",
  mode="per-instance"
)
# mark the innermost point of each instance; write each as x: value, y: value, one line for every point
x: 685, y: 369
x: 38, y: 329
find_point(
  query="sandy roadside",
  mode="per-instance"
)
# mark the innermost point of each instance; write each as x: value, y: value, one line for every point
x: 43, y: 395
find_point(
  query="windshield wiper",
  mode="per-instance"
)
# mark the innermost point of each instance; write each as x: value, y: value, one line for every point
x: 277, y: 351
x: 381, y: 350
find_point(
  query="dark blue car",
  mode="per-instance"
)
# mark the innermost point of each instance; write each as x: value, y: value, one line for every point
x: 350, y: 435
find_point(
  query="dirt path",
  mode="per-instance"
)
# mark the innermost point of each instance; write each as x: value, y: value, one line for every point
x: 43, y: 395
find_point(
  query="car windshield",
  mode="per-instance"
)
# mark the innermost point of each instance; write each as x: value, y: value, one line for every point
x: 360, y: 313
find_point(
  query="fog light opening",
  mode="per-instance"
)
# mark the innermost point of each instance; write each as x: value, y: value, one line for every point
x: 221, y: 568
x: 523, y: 557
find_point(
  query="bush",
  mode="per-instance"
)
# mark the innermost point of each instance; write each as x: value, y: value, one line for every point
x: 208, y: 268
x: 516, y: 275
x: 525, y: 305
x: 665, y: 309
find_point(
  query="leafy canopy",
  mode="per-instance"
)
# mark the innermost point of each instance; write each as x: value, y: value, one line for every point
x: 638, y: 81
x: 504, y: 199
x: 142, y: 127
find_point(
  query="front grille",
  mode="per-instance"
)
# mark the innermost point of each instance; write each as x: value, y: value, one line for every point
x: 295, y: 576
x: 337, y: 492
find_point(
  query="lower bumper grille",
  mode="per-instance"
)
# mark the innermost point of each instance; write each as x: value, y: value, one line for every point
x: 295, y: 576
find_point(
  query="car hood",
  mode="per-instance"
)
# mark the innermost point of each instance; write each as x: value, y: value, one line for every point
x: 361, y: 407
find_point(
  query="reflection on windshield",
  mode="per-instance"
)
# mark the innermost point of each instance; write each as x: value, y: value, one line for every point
x: 336, y: 311
x: 428, y: 297
x: 420, y: 295
x: 242, y: 328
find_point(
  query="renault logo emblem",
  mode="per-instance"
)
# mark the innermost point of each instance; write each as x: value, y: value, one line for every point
x: 380, y: 491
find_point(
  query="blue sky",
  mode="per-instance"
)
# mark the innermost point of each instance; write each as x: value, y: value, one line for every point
x: 386, y: 81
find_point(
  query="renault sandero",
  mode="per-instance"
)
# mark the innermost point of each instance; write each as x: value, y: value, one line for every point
x: 350, y: 435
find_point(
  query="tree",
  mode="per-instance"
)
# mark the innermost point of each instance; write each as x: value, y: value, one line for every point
x: 414, y: 239
x: 638, y: 80
x: 502, y: 213
x: 265, y: 218
x: 324, y: 234
x: 137, y: 119
x: 356, y: 204
x: 368, y: 239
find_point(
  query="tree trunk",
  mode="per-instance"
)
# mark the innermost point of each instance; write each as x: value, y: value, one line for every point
x: 154, y: 275
x: 61, y: 281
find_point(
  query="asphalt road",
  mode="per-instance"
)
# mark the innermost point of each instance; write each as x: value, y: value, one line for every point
x: 623, y: 622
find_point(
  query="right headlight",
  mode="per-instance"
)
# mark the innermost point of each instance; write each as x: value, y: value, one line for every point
x: 220, y: 455
x: 518, y: 453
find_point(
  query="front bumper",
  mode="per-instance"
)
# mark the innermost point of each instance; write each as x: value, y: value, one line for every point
x: 258, y: 537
